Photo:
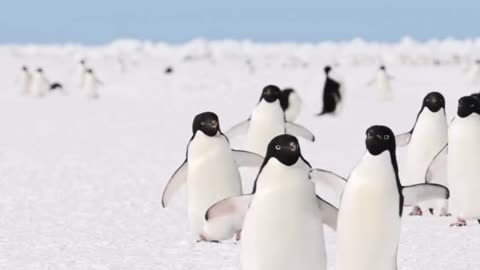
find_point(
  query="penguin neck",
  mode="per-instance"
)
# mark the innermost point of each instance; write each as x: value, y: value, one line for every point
x: 266, y: 109
x: 275, y: 175
x: 201, y: 144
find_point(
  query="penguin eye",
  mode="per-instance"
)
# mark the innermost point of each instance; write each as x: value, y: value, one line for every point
x: 203, y: 123
x: 472, y: 105
x: 386, y: 137
x: 278, y: 147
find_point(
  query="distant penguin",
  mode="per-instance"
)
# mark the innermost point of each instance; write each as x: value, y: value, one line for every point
x: 168, y: 70
x: 372, y: 201
x: 427, y: 137
x: 27, y: 81
x: 463, y: 161
x: 282, y: 220
x: 40, y: 84
x: 80, y: 72
x: 56, y: 86
x: 382, y: 84
x: 291, y: 104
x: 266, y: 122
x: 91, y: 84
x: 210, y: 171
x: 332, y: 94
x: 474, y: 73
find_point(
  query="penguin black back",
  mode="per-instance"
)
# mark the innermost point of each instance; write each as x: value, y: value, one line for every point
x: 284, y: 96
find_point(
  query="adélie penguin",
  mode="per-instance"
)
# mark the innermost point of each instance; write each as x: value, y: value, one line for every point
x: 427, y: 137
x: 210, y: 172
x: 372, y: 201
x: 291, y: 104
x: 382, y: 84
x: 332, y: 93
x: 282, y: 220
x: 267, y: 121
x: 463, y: 159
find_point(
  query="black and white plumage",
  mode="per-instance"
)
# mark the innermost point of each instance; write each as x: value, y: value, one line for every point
x: 332, y: 94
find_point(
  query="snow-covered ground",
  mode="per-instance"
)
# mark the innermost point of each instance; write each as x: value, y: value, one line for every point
x: 81, y: 180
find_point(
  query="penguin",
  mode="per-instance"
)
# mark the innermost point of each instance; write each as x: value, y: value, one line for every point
x: 427, y: 137
x: 332, y: 94
x: 40, y: 84
x: 91, y: 84
x: 282, y: 219
x: 210, y: 172
x: 382, y: 84
x: 168, y: 70
x: 463, y: 157
x: 474, y: 73
x: 80, y: 72
x: 371, y: 208
x: 27, y: 80
x: 267, y: 121
x: 291, y: 104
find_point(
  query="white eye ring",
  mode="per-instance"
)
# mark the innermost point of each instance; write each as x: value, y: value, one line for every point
x: 203, y: 123
x: 472, y: 105
x: 278, y: 147
x: 386, y: 137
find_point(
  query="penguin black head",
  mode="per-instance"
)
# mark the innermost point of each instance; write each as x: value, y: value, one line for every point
x: 468, y: 105
x: 39, y: 70
x: 382, y: 67
x: 206, y: 122
x: 379, y: 139
x: 24, y: 68
x: 89, y: 70
x: 82, y: 62
x: 327, y: 69
x: 434, y: 101
x: 284, y: 95
x: 285, y: 148
x: 270, y: 93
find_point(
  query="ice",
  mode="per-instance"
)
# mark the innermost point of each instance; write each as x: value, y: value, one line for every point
x: 81, y: 180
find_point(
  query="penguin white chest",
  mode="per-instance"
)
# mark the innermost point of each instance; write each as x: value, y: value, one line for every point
x: 212, y: 176
x: 294, y: 106
x: 429, y: 137
x: 463, y: 166
x: 283, y: 229
x: 369, y: 220
x: 266, y: 122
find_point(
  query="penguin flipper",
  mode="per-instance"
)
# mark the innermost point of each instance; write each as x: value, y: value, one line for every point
x: 178, y: 179
x: 403, y: 139
x: 329, y: 179
x: 299, y: 131
x: 329, y: 213
x: 247, y: 159
x: 234, y: 207
x: 437, y: 165
x: 239, y: 129
x: 415, y: 194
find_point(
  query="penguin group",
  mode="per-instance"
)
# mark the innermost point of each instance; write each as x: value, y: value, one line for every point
x: 279, y: 222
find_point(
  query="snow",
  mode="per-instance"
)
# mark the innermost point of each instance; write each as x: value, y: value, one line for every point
x: 81, y: 180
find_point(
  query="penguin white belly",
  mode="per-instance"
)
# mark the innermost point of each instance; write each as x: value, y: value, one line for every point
x: 27, y: 84
x: 383, y: 87
x: 369, y: 222
x: 428, y: 138
x: 39, y: 87
x: 91, y: 86
x: 212, y: 176
x: 283, y: 229
x: 294, y: 106
x: 266, y: 122
x: 463, y: 166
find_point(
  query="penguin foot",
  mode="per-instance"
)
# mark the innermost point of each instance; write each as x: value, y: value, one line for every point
x: 416, y: 211
x: 444, y: 213
x: 460, y: 223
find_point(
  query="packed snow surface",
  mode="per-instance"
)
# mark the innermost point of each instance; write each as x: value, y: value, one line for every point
x: 81, y: 180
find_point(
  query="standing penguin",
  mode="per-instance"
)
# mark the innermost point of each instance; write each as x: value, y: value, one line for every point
x: 474, y: 73
x: 80, y: 72
x: 382, y: 84
x: 27, y: 80
x: 282, y: 220
x: 267, y: 121
x: 91, y: 84
x: 40, y: 84
x: 291, y: 104
x: 332, y: 94
x: 210, y: 171
x: 427, y: 137
x: 372, y: 204
x: 463, y: 161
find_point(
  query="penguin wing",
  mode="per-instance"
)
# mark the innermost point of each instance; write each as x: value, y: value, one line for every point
x: 403, y: 139
x: 328, y: 179
x: 437, y: 166
x: 177, y: 180
x: 239, y: 129
x: 299, y: 131
x: 329, y: 213
x: 247, y: 159
x: 235, y: 208
x: 424, y: 192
